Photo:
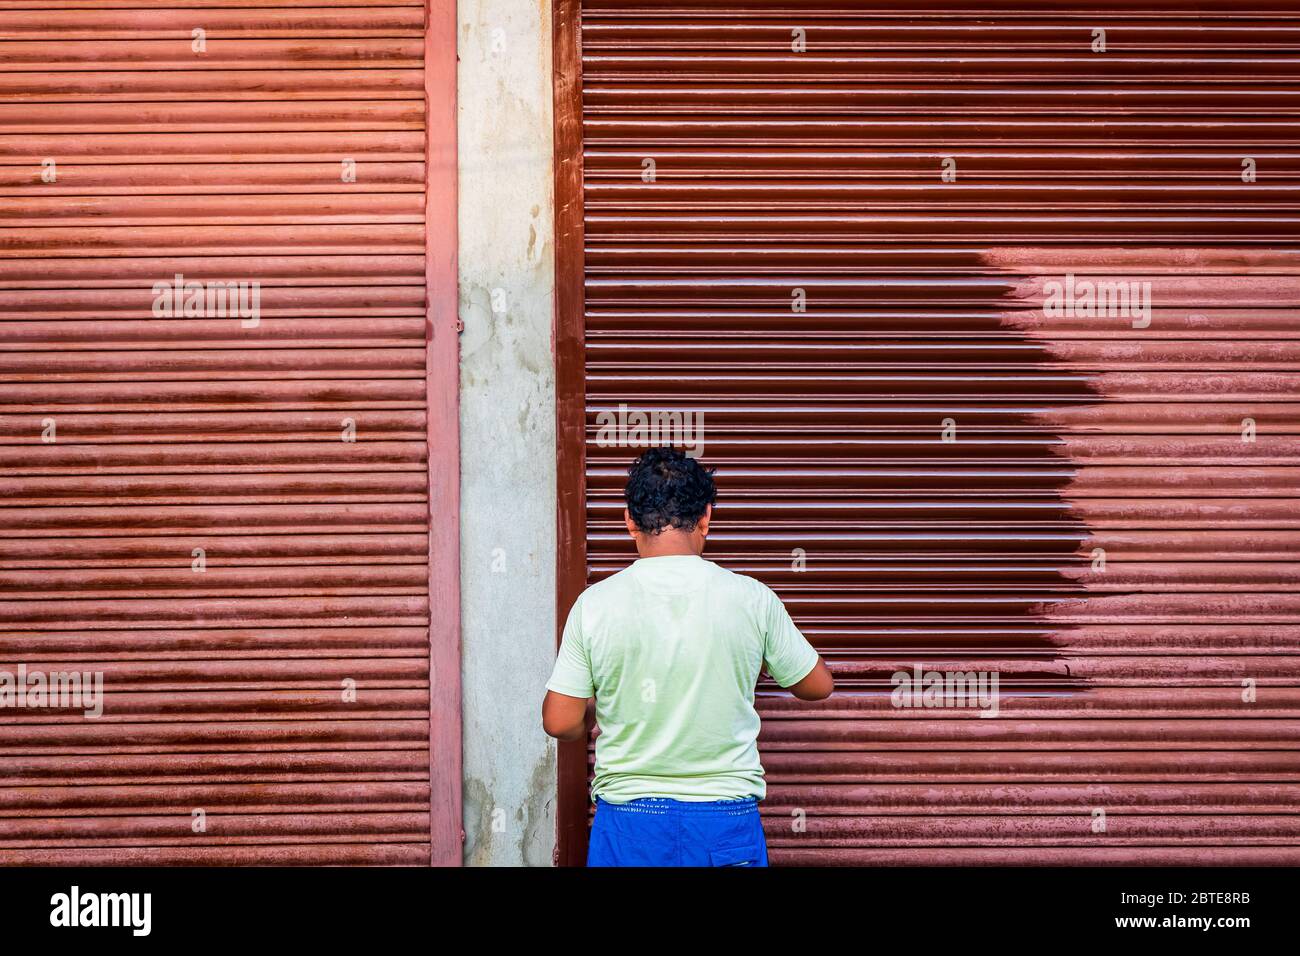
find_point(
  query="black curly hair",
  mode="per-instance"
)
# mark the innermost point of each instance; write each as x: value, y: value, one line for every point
x: 666, y: 488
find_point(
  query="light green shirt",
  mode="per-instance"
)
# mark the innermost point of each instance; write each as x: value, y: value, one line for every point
x: 671, y: 648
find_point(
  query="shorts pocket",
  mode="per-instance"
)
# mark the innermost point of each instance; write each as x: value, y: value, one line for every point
x: 750, y: 854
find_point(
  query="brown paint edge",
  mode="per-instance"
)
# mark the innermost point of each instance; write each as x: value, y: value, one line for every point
x: 442, y: 383
x: 570, y: 404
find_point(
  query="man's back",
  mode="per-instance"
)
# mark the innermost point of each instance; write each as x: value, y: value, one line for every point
x: 672, y: 647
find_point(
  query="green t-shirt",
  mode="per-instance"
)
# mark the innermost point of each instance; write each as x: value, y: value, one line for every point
x: 671, y: 648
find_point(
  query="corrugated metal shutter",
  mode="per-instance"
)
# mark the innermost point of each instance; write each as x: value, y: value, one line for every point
x: 1114, y: 529
x: 224, y: 688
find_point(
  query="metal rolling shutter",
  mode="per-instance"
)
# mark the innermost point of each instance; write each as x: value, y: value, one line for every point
x: 224, y: 689
x: 1122, y: 688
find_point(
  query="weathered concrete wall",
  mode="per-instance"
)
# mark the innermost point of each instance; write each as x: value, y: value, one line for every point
x: 507, y: 419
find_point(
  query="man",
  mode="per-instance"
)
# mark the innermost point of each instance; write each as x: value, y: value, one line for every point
x: 671, y: 648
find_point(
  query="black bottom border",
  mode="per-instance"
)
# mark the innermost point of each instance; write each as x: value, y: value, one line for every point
x: 550, y: 907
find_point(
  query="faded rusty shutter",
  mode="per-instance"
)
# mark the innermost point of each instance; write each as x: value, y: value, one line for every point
x: 224, y: 688
x: 1112, y: 529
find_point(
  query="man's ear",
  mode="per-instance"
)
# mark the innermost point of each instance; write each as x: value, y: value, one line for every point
x: 632, y: 529
x: 703, y: 523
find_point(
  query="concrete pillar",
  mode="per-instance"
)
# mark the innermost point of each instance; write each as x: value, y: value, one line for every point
x: 507, y: 420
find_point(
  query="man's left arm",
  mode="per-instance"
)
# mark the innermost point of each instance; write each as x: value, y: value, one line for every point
x: 568, y: 718
x: 568, y: 710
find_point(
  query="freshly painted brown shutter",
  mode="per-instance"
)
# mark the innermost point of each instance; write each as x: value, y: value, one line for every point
x: 1113, y: 530
x: 224, y: 687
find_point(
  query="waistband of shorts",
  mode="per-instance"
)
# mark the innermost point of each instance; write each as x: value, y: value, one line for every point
x: 666, y: 806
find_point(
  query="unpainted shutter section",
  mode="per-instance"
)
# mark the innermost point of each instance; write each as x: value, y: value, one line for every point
x: 225, y: 687
x: 1113, y: 530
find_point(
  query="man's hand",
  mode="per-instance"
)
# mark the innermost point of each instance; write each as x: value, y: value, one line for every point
x: 567, y: 718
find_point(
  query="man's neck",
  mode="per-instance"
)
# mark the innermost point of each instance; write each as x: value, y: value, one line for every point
x: 668, y: 543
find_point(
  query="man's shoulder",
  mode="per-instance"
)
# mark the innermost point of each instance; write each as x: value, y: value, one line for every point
x: 606, y: 587
x: 745, y: 586
x: 742, y: 580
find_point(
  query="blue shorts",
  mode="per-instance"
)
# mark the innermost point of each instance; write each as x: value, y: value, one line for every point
x: 657, y: 831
